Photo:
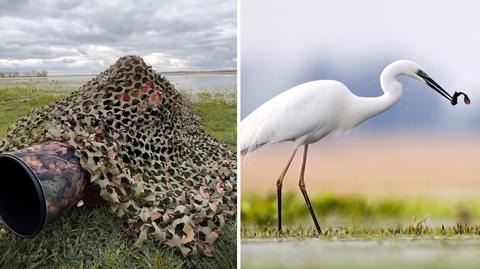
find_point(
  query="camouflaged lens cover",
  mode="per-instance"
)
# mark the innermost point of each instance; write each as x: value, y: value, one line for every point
x: 145, y: 149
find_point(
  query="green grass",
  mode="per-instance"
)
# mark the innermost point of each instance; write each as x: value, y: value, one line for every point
x: 17, y: 100
x: 357, y: 216
x: 93, y: 238
x: 418, y: 230
x: 263, y: 210
x: 218, y: 113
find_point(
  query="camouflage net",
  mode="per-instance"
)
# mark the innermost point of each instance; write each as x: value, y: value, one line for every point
x: 145, y: 149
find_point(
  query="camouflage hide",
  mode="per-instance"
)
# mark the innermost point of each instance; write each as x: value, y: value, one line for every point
x: 145, y: 149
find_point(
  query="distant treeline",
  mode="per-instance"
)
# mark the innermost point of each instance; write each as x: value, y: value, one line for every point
x: 32, y: 73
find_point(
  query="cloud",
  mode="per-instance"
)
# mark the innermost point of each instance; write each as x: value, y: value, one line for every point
x: 86, y: 36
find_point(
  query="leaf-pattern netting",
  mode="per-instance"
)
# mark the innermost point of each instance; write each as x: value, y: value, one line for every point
x: 145, y: 149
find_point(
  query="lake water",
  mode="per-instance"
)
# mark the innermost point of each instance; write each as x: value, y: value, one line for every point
x: 205, y: 82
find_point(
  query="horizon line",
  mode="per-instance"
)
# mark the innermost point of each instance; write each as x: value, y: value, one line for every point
x: 232, y: 71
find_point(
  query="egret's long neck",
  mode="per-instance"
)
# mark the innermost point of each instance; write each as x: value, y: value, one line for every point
x: 367, y: 107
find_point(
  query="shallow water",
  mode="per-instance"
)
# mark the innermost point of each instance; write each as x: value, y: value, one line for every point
x: 461, y: 252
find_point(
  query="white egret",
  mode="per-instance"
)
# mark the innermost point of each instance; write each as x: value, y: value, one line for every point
x: 308, y: 112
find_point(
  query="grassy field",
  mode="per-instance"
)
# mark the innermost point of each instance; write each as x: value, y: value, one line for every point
x: 352, y: 210
x: 219, y: 115
x: 92, y: 238
x: 358, y: 217
x: 360, y: 232
x: 17, y: 99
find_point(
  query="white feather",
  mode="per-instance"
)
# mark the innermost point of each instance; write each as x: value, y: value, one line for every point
x: 306, y: 113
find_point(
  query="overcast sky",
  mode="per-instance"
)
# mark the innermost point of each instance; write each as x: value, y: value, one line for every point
x: 84, y: 37
x: 285, y: 43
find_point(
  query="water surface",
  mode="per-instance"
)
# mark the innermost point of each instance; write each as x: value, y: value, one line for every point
x: 401, y: 253
x: 190, y: 82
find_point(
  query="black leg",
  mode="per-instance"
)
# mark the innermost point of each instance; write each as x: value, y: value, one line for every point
x: 301, y: 184
x: 279, y: 205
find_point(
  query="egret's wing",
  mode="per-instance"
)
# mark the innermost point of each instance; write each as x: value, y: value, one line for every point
x: 290, y: 115
x: 257, y: 128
